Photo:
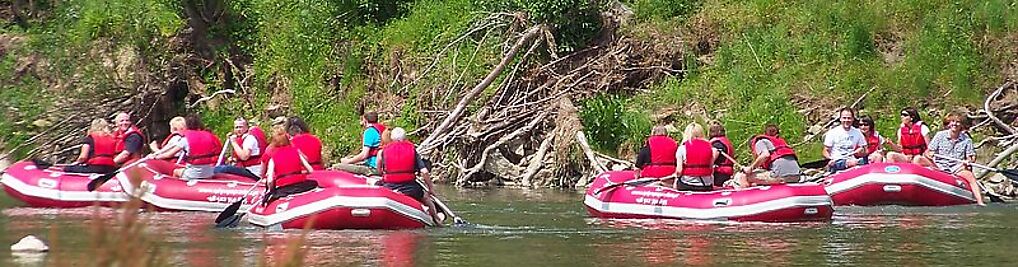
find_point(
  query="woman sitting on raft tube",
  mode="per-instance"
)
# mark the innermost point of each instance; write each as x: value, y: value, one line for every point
x: 657, y: 158
x: 285, y: 167
x: 695, y: 157
x: 955, y: 142
x: 177, y: 127
x: 201, y: 151
x: 874, y: 142
x: 913, y: 137
x: 98, y: 150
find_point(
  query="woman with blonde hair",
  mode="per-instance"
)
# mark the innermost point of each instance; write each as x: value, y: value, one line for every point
x: 97, y: 150
x: 177, y: 127
x: 695, y: 157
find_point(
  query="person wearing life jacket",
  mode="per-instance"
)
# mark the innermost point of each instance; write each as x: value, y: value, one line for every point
x: 952, y: 151
x: 201, y: 151
x: 657, y: 158
x: 776, y: 161
x: 247, y: 151
x: 845, y: 145
x: 695, y: 157
x: 874, y: 142
x: 96, y: 154
x: 400, y: 166
x: 371, y: 142
x: 724, y: 166
x: 177, y: 127
x: 286, y: 168
x: 130, y: 140
x: 913, y: 137
x: 308, y: 143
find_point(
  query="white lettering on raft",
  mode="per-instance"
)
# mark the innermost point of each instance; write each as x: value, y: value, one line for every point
x: 655, y: 194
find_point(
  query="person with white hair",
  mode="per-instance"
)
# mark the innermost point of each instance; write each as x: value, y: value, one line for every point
x: 657, y: 158
x: 177, y: 127
x: 130, y: 140
x: 695, y: 157
x: 400, y: 164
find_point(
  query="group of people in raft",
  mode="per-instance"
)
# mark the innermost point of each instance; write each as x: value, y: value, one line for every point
x: 701, y: 162
x: 284, y: 157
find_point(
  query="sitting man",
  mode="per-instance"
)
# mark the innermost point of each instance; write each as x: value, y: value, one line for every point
x: 364, y: 163
x: 777, y: 161
x: 247, y: 152
x: 399, y: 164
x: 845, y: 145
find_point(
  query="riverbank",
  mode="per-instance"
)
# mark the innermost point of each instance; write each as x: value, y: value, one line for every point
x: 608, y: 68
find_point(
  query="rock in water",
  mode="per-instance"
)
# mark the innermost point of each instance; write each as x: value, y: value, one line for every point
x: 29, y: 244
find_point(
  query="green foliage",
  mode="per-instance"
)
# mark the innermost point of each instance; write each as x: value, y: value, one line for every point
x: 664, y: 9
x: 610, y: 124
x: 575, y: 22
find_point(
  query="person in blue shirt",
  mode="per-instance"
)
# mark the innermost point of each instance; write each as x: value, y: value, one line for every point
x: 371, y: 142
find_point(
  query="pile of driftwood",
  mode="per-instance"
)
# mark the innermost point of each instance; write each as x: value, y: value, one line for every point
x: 525, y: 130
x: 996, y: 119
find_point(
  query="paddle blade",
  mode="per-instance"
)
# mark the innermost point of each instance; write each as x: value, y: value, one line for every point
x: 228, y: 212
x: 97, y: 182
x: 230, y: 222
x: 41, y: 164
x: 1010, y: 173
x: 817, y: 164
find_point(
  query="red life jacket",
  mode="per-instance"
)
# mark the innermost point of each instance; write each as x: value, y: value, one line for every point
x: 102, y: 150
x: 252, y: 160
x: 872, y: 142
x: 203, y: 147
x: 168, y: 137
x: 781, y: 149
x: 662, y: 157
x: 398, y: 162
x: 912, y: 140
x: 121, y: 144
x: 699, y: 158
x: 260, y: 136
x: 287, y: 166
x: 311, y: 146
x: 372, y: 151
x: 723, y: 165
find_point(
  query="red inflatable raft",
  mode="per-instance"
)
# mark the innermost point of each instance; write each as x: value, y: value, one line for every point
x: 53, y: 188
x: 782, y: 203
x: 897, y: 184
x: 344, y: 201
x: 345, y: 207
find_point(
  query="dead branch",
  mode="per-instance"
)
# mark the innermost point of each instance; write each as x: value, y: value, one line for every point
x: 581, y: 138
x: 428, y: 144
x: 989, y: 112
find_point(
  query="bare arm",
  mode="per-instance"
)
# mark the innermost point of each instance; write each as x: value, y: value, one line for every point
x: 760, y: 159
x: 357, y: 158
x: 242, y: 153
x: 167, y: 153
x: 83, y: 155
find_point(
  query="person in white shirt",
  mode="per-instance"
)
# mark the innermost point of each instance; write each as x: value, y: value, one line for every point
x: 845, y: 145
x: 246, y: 157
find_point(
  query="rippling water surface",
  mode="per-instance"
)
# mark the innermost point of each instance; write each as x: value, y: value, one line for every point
x: 518, y: 227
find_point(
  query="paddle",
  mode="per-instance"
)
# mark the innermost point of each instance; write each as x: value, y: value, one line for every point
x: 222, y: 152
x: 229, y: 215
x: 456, y: 220
x: 633, y: 182
x: 816, y: 164
x: 1009, y: 173
x: 97, y: 182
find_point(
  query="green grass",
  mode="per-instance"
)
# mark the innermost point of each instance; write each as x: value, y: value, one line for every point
x: 770, y: 56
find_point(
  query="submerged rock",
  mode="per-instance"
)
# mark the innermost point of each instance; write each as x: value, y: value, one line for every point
x: 29, y: 244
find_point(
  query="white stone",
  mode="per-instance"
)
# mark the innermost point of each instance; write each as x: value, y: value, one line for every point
x: 29, y: 244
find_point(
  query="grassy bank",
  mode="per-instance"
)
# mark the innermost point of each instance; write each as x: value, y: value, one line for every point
x: 747, y: 62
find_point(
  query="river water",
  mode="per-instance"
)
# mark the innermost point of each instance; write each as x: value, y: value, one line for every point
x: 547, y: 227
